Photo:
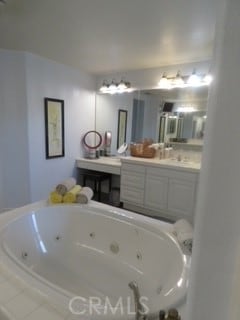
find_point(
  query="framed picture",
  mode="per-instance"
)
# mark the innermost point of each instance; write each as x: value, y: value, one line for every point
x: 122, y: 127
x: 54, y: 127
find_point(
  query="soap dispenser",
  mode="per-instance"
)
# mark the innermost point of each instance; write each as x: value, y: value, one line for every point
x: 162, y: 314
x: 107, y: 142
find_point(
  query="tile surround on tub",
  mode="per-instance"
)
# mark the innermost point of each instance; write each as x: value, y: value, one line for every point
x: 20, y: 302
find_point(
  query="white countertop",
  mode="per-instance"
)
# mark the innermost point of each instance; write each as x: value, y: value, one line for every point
x: 103, y: 164
x: 113, y: 164
x: 166, y: 163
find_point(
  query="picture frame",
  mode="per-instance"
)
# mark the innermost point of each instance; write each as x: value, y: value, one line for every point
x: 122, y: 127
x: 54, y: 128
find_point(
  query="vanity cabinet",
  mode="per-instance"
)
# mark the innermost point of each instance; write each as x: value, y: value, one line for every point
x: 163, y: 192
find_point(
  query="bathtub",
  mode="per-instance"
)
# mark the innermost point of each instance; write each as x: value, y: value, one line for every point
x: 83, y: 257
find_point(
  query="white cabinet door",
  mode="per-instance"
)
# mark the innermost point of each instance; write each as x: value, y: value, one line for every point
x: 132, y: 184
x: 156, y: 192
x: 181, y: 197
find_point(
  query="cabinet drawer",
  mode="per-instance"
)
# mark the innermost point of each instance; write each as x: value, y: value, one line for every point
x: 132, y: 168
x: 132, y: 179
x: 132, y: 195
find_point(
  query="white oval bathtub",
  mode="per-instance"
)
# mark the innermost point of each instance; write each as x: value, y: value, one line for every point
x: 93, y: 252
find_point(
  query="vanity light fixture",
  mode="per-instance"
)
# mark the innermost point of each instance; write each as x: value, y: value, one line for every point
x: 115, y: 87
x: 180, y: 81
x: 186, y: 109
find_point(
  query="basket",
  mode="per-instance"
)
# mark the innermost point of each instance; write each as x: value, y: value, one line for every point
x: 142, y: 150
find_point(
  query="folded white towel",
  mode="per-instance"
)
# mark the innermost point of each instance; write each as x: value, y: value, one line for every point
x: 184, y: 233
x: 63, y: 187
x: 84, y: 195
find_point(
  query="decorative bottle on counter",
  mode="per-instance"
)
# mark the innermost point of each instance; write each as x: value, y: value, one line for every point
x: 173, y: 315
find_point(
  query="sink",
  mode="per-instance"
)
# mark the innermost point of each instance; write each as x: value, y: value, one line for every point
x: 183, y: 163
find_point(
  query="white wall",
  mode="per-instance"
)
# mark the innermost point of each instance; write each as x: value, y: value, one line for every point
x: 25, y: 79
x: 14, y: 161
x: 46, y: 78
x: 215, y: 281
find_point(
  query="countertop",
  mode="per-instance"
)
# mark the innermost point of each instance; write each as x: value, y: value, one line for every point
x: 113, y: 164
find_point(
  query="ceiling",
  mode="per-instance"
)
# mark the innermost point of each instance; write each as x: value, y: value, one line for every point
x: 103, y: 36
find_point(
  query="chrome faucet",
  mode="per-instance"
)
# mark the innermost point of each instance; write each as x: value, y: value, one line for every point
x: 140, y: 313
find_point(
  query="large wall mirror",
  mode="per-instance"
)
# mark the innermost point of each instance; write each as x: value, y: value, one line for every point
x: 177, y: 115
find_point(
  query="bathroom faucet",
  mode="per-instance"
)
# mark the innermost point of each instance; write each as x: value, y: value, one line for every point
x: 139, y: 308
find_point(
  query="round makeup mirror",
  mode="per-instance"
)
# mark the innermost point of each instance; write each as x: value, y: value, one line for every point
x: 92, y: 140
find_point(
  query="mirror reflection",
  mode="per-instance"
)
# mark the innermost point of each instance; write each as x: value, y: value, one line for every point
x: 170, y: 116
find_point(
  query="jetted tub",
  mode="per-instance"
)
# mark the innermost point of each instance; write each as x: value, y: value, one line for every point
x: 83, y: 255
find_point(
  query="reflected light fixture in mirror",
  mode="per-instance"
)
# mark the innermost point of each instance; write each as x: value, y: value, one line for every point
x: 115, y: 87
x: 186, y: 109
x: 178, y: 81
x: 194, y: 80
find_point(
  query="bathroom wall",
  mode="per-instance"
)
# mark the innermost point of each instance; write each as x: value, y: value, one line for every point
x: 46, y: 78
x: 215, y: 280
x: 25, y: 79
x: 14, y: 161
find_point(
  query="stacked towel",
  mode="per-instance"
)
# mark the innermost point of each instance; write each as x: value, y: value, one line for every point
x: 70, y: 196
x: 184, y: 233
x: 84, y: 195
x: 55, y: 197
x: 63, y: 187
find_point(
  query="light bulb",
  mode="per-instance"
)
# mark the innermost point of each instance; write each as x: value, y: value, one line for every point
x: 122, y: 86
x: 112, y: 87
x: 104, y: 87
x: 207, y: 79
x: 164, y: 83
x: 178, y: 81
x: 194, y: 80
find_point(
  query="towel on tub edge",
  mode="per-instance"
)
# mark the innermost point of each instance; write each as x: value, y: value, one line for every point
x: 65, y: 186
x: 70, y: 196
x: 84, y: 195
x: 183, y: 231
x: 55, y: 197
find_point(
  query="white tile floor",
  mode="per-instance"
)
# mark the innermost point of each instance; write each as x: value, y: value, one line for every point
x: 19, y: 302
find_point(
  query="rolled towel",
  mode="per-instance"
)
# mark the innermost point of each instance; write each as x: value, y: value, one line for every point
x: 70, y: 196
x: 183, y: 231
x: 84, y: 195
x: 55, y: 197
x: 66, y: 185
